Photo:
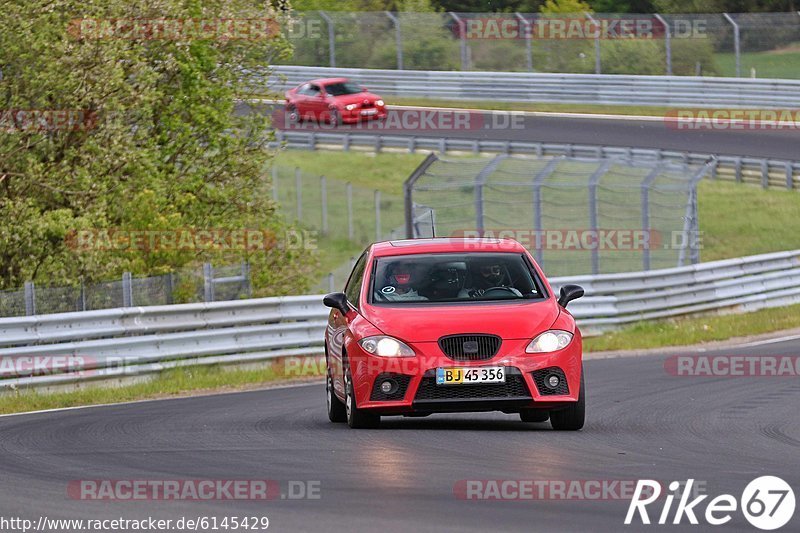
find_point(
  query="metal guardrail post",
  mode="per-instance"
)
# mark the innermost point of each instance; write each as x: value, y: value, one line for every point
x: 127, y: 290
x: 398, y: 38
x: 378, y: 233
x: 764, y: 174
x: 30, y: 298
x: 528, y: 40
x: 298, y: 192
x: 323, y: 192
x: 208, y: 282
x: 789, y: 176
x: 736, y: 44
x: 349, y: 193
x: 667, y: 42
x: 331, y: 38
x: 597, y: 66
x: 462, y: 35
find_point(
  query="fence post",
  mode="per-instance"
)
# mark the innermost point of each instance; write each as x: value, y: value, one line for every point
x: 323, y: 190
x: 645, y: 208
x: 83, y: 295
x: 377, y: 215
x: 248, y: 287
x: 736, y: 44
x: 462, y: 35
x: 764, y: 174
x: 331, y: 282
x: 398, y: 39
x: 275, y: 183
x: 349, y: 190
x: 597, y: 66
x: 170, y: 287
x: 594, y: 180
x: 667, y: 42
x: 528, y: 41
x: 127, y: 290
x: 789, y: 176
x: 30, y: 298
x: 208, y: 282
x: 298, y: 192
x: 331, y: 38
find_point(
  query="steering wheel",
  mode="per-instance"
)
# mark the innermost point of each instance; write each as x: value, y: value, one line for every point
x: 484, y: 292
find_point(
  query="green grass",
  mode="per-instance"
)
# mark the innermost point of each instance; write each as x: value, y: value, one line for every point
x: 169, y: 383
x: 783, y: 63
x: 695, y: 330
x: 595, y: 109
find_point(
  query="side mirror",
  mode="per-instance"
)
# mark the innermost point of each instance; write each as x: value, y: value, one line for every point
x: 569, y: 293
x: 337, y: 300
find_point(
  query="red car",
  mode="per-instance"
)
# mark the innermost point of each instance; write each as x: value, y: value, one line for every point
x: 335, y: 100
x: 452, y: 325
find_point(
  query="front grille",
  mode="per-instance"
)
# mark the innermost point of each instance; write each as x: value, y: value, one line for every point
x: 399, y: 393
x: 470, y: 347
x: 540, y: 376
x: 513, y: 388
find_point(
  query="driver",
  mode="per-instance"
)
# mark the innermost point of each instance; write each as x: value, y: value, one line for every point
x: 486, y: 275
x: 400, y: 284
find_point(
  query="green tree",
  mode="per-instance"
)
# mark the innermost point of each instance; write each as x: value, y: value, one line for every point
x: 166, y: 152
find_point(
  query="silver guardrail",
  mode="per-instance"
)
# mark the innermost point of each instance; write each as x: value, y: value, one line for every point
x: 768, y: 173
x: 140, y: 340
x: 670, y: 91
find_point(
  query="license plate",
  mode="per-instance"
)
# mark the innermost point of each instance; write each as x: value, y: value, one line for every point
x: 369, y: 112
x: 470, y: 376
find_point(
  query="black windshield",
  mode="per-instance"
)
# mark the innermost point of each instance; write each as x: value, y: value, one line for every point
x: 338, y: 89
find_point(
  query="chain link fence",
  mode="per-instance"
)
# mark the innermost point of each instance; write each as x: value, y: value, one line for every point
x: 346, y: 218
x: 765, y: 45
x: 206, y: 284
x: 576, y: 215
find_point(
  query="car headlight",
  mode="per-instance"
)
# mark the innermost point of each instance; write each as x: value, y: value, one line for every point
x: 379, y: 103
x: 385, y: 346
x: 549, y: 341
x: 350, y: 107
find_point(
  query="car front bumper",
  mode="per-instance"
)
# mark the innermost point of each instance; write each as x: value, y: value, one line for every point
x: 416, y: 390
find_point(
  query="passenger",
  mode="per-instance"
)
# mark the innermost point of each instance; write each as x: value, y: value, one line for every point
x: 400, y: 284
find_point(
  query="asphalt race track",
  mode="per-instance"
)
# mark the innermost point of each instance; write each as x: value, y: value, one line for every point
x: 642, y: 423
x: 777, y: 143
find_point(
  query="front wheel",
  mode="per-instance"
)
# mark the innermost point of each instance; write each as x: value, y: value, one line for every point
x: 357, y: 418
x: 573, y: 417
x: 336, y: 409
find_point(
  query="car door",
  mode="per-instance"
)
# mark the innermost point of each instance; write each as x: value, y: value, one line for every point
x: 338, y: 323
x: 316, y: 102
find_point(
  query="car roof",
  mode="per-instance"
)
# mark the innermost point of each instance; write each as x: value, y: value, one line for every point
x: 444, y: 244
x: 326, y: 81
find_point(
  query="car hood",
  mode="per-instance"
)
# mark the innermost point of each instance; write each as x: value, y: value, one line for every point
x: 356, y: 98
x: 428, y: 322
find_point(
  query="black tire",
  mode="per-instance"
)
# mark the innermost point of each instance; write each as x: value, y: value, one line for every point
x: 534, y: 415
x: 357, y: 418
x: 336, y: 410
x: 334, y: 117
x: 292, y: 115
x: 573, y: 417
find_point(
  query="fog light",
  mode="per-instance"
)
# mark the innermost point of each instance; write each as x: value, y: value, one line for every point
x: 387, y: 387
x: 553, y: 381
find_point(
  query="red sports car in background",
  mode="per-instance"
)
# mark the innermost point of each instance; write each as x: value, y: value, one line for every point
x: 452, y: 325
x: 335, y: 100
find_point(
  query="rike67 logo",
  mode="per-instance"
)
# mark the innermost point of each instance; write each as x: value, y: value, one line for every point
x: 767, y: 502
